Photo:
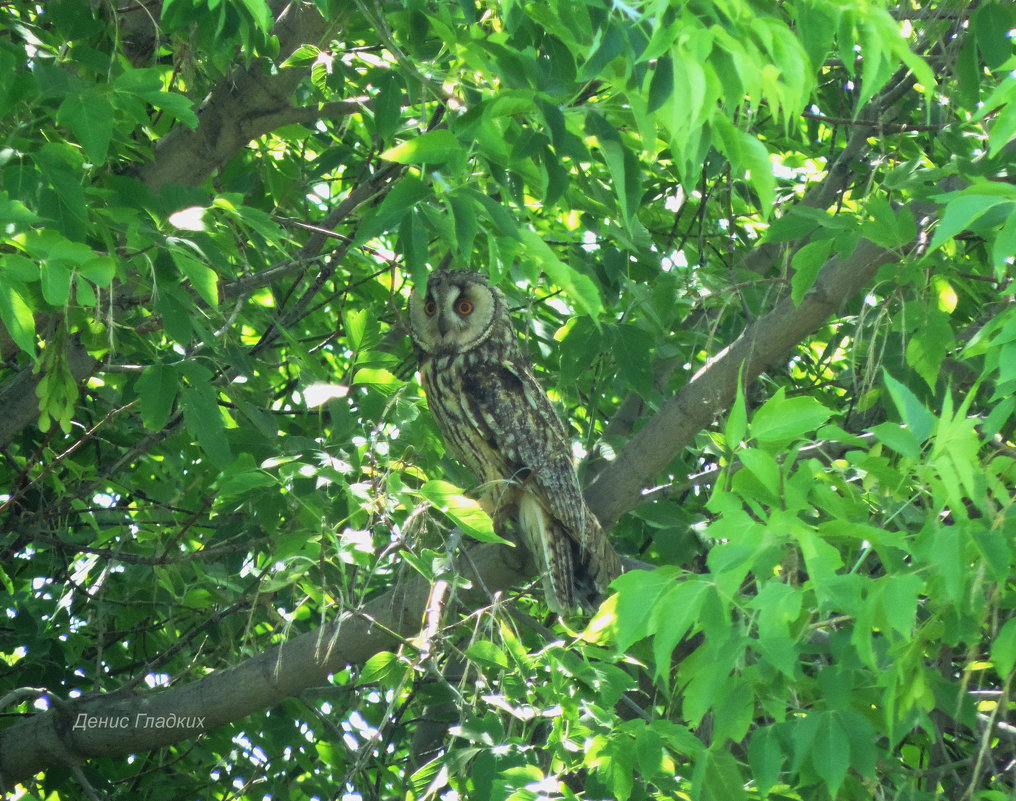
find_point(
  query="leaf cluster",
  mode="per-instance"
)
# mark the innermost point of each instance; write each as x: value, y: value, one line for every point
x: 211, y: 442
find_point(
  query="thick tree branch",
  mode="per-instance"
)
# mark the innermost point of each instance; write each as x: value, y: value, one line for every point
x: 619, y: 486
x: 241, y: 108
x: 130, y: 723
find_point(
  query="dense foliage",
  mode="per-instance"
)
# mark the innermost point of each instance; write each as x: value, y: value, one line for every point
x: 761, y: 256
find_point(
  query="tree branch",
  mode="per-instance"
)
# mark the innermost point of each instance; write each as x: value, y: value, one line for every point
x: 116, y: 724
x: 240, y: 108
x: 619, y: 486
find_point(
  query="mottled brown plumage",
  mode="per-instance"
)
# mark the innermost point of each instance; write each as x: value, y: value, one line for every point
x: 498, y: 421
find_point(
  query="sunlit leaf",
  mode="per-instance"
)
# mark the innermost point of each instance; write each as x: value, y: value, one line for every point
x: 433, y: 147
x: 462, y: 511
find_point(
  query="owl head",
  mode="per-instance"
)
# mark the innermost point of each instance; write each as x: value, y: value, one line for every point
x: 457, y: 312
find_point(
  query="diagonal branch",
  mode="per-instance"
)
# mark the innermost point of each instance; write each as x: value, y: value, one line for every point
x: 240, y: 108
x: 619, y: 486
x: 120, y: 723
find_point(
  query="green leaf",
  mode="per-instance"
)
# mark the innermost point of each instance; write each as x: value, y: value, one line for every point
x: 626, y: 177
x: 888, y: 229
x: 1005, y: 241
x: 899, y: 438
x: 661, y: 84
x: 1003, y: 649
x: 511, y: 103
x: 781, y: 653
x: 355, y: 323
x: 947, y: 553
x: 580, y: 287
x: 778, y: 605
x: 672, y: 614
x: 16, y: 214
x: 382, y: 668
x: 737, y: 421
x: 260, y: 13
x: 638, y: 592
x: 821, y: 558
x: 100, y: 270
x: 690, y: 90
x: 733, y: 711
x: 64, y: 199
x: 1003, y: 131
x: 56, y: 282
x: 649, y: 751
x: 717, y: 777
x: 607, y: 45
x: 304, y: 56
x: 830, y: 751
x: 807, y: 263
x: 863, y: 742
x: 960, y: 213
x: 178, y: 106
x: 991, y: 22
x: 157, y: 388
x: 782, y: 419
x: 747, y: 155
x: 17, y: 315
x: 876, y: 44
x: 388, y: 107
x: 378, y: 377
x: 898, y: 597
x: 462, y: 511
x: 505, y: 224
x: 90, y: 117
x: 408, y: 193
x: 175, y: 311
x: 202, y: 277
x: 913, y: 413
x: 634, y: 357
x: 558, y: 178
x: 464, y: 216
x: 18, y: 269
x: 203, y: 420
x: 243, y: 480
x: 764, y: 467
x: 433, y: 147
x: 488, y: 652
x: 146, y: 84
x: 48, y: 245
x: 929, y: 345
x: 765, y: 755
x: 995, y: 549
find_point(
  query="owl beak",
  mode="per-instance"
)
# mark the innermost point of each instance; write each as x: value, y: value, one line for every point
x: 442, y: 325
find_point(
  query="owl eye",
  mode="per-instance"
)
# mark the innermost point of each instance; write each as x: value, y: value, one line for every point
x: 430, y: 307
x: 464, y: 307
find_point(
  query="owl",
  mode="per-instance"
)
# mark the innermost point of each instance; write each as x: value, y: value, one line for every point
x: 497, y: 420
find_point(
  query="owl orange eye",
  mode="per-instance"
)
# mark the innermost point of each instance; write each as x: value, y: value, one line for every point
x: 464, y: 307
x: 430, y: 308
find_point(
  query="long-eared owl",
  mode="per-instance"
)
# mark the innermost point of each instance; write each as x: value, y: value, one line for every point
x: 498, y: 421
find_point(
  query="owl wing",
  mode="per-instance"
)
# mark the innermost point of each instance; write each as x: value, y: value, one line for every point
x: 523, y: 428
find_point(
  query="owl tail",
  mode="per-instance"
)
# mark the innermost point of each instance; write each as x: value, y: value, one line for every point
x: 551, y: 549
x: 575, y: 576
x: 597, y: 562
